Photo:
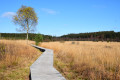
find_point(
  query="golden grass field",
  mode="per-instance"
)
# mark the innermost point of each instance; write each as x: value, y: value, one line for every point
x: 86, y: 60
x: 15, y: 59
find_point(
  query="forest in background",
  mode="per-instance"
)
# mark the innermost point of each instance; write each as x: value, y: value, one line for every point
x: 92, y: 36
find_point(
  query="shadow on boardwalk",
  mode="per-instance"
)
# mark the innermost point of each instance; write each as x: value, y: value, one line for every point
x: 30, y: 76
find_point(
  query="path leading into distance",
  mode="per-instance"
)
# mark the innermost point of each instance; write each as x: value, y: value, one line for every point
x: 42, y: 68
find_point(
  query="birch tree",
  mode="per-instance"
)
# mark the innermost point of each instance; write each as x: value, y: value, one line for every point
x: 27, y: 19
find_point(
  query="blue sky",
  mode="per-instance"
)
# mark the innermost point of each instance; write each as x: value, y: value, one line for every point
x: 59, y: 17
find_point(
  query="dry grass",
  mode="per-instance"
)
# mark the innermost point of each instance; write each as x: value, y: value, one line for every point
x: 85, y: 60
x: 15, y: 59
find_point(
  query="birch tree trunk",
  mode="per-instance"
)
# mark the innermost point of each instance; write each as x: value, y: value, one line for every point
x: 27, y: 31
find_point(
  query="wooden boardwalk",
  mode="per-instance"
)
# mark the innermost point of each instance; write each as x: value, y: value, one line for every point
x: 42, y: 68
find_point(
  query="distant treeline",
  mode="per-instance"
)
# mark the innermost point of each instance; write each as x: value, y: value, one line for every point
x: 23, y: 36
x: 93, y: 36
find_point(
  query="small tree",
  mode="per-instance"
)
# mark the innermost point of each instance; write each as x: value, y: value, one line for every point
x: 38, y: 38
x: 26, y: 18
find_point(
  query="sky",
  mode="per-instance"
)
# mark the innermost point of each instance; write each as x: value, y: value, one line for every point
x: 60, y: 17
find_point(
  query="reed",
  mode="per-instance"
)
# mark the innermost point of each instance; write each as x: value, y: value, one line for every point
x: 15, y: 59
x: 87, y: 60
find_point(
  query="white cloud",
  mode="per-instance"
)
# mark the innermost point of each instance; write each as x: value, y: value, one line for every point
x: 8, y: 14
x: 48, y: 11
